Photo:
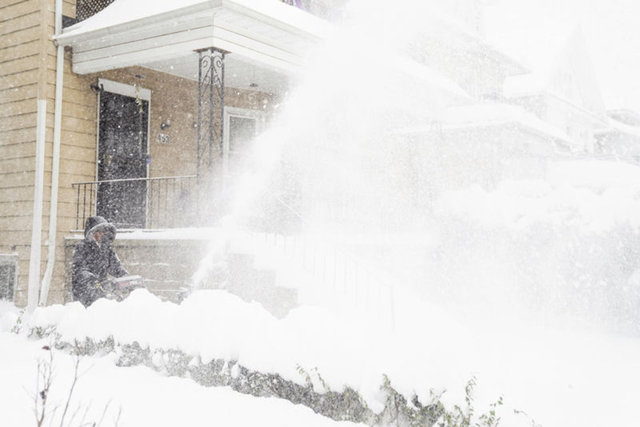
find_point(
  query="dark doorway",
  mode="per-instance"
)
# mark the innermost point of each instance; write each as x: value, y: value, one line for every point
x: 122, y: 155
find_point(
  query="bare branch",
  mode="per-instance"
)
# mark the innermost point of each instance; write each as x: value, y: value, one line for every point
x: 44, y: 379
x: 117, y: 423
x: 106, y: 408
x: 75, y: 413
x: 73, y: 385
x: 84, y: 415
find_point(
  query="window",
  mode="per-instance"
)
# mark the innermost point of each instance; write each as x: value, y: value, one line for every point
x: 8, y: 275
x: 240, y: 128
x: 241, y: 131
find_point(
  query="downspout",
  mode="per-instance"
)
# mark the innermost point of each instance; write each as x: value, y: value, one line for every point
x: 55, y: 162
x: 36, y: 227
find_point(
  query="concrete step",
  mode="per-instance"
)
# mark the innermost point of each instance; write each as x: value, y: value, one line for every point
x: 161, y: 271
x: 159, y: 251
x: 167, y: 266
x: 253, y: 284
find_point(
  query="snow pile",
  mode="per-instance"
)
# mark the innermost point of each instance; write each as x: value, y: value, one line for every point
x: 134, y: 396
x: 533, y: 367
x: 515, y: 279
x: 216, y: 324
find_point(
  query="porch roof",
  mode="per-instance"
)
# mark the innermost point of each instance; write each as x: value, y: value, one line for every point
x: 494, y: 116
x: 135, y: 32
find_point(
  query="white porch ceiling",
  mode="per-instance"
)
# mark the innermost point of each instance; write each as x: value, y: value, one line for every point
x: 239, y: 72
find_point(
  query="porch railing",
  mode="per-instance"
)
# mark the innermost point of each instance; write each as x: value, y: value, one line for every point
x: 168, y: 202
x: 347, y: 280
x: 88, y: 8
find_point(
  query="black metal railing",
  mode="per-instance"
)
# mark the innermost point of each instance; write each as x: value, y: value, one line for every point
x: 166, y: 202
x: 88, y: 8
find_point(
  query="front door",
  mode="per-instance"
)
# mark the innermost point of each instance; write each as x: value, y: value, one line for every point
x: 122, y: 159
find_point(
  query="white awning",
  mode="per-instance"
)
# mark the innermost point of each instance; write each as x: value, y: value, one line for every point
x: 267, y: 33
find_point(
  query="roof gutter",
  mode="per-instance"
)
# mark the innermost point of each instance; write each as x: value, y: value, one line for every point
x: 55, y: 162
x: 36, y: 228
x: 310, y: 26
x: 75, y: 35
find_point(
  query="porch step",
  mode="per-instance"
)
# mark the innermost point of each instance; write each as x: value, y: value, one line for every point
x: 167, y: 266
x: 161, y: 271
x: 254, y: 284
x: 187, y: 252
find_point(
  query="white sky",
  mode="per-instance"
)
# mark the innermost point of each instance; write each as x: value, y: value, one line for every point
x: 611, y: 29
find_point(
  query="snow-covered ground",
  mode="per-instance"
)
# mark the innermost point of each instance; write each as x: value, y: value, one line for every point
x: 559, y: 374
x: 534, y: 294
x: 531, y: 288
x: 131, y: 396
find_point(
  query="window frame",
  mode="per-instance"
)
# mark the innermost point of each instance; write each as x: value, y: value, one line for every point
x: 245, y: 113
x: 11, y: 260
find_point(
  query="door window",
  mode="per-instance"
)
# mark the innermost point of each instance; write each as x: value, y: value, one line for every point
x: 122, y: 159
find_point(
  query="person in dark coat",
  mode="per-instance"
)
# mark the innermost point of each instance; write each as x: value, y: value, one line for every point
x: 94, y: 260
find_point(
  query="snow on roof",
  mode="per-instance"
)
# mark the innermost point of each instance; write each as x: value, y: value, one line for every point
x: 531, y: 32
x: 498, y: 114
x: 493, y: 114
x: 487, y: 47
x: 624, y: 115
x: 133, y: 32
x: 121, y: 11
x: 553, y: 43
x: 616, y: 126
x: 129, y: 11
x: 544, y: 60
x: 427, y: 74
x: 524, y: 85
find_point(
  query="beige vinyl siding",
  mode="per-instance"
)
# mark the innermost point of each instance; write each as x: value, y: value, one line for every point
x: 78, y: 140
x: 77, y: 157
x: 25, y: 66
x: 27, y: 71
x: 69, y: 8
x: 14, y: 9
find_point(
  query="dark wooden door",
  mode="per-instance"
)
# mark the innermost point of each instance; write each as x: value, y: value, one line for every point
x: 122, y: 155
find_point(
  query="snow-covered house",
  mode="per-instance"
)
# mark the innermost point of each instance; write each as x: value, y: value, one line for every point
x: 620, y: 140
x: 495, y: 133
x: 144, y: 99
x: 566, y: 94
x: 132, y: 110
x: 156, y: 101
x: 561, y: 87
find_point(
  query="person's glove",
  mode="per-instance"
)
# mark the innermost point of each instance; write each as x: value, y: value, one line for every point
x: 106, y: 286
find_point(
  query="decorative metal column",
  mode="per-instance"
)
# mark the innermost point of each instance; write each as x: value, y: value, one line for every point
x: 210, y: 108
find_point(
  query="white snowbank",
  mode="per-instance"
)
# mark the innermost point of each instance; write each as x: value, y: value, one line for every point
x: 144, y: 397
x: 519, y: 276
x: 554, y: 374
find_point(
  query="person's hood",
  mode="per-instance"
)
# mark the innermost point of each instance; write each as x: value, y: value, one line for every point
x: 98, y: 223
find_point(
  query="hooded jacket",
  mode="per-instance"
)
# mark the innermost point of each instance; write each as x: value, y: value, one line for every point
x: 93, y: 262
